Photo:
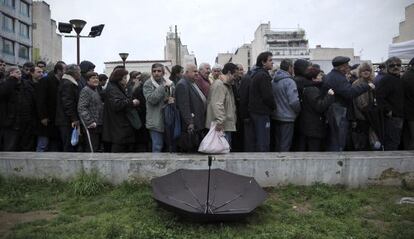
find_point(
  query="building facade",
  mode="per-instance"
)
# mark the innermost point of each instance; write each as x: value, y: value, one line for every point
x: 141, y: 66
x: 282, y: 43
x: 16, y: 31
x: 175, y: 51
x: 406, y: 28
x: 240, y: 56
x: 47, y: 44
x: 323, y: 56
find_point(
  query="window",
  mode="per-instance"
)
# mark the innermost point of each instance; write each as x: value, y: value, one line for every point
x: 24, y: 52
x: 8, y: 47
x: 24, y: 30
x: 8, y: 23
x: 24, y: 9
x: 8, y: 3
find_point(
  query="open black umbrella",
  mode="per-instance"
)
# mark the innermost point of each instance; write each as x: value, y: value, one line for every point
x: 208, y: 195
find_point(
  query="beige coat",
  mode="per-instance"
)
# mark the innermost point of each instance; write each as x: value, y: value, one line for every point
x: 220, y: 106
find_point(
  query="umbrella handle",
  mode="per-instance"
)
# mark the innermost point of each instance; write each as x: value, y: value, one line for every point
x: 210, y: 159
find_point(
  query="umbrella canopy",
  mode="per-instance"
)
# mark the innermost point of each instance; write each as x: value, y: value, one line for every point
x: 231, y: 196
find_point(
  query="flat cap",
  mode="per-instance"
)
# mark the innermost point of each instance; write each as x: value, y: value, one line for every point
x: 340, y: 60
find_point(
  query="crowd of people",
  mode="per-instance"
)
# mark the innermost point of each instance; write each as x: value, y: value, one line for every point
x: 293, y: 107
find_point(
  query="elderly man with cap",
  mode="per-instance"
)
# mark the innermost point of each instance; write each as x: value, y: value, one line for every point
x: 338, y: 113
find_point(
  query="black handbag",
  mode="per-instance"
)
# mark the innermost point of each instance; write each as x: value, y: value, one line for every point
x: 133, y: 117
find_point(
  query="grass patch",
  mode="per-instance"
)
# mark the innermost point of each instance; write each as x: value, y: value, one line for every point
x: 88, y: 184
x: 87, y: 207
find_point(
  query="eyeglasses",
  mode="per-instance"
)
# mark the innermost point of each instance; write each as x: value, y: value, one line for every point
x: 156, y: 71
x: 394, y: 65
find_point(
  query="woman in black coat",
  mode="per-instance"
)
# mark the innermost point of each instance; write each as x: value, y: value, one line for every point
x: 117, y: 128
x: 314, y: 104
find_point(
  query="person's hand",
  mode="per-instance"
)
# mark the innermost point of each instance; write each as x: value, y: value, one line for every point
x: 44, y: 121
x: 135, y: 102
x: 190, y: 128
x: 171, y: 100
x: 389, y: 114
x: 371, y: 85
x: 75, y: 124
x: 92, y: 126
x: 331, y: 92
x: 219, y: 127
x: 168, y: 83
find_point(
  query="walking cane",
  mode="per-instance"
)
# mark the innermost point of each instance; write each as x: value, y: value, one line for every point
x: 87, y: 135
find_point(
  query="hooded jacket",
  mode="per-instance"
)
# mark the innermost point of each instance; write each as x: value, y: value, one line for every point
x: 285, y: 93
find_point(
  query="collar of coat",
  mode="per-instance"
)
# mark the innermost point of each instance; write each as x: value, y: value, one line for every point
x: 70, y: 78
x: 163, y: 81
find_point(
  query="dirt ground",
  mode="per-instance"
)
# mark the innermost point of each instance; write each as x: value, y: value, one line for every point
x: 9, y: 220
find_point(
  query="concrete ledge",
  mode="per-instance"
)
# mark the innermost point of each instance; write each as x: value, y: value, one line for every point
x: 269, y: 169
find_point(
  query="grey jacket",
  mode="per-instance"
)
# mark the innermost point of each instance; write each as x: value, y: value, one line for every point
x: 155, y: 101
x: 90, y: 106
x: 286, y: 97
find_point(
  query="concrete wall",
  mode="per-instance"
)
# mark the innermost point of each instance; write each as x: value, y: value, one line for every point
x: 269, y: 169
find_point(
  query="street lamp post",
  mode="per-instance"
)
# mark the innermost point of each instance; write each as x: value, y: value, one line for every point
x: 77, y: 25
x: 123, y: 56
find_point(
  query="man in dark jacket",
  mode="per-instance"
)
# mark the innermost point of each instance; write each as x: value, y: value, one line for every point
x: 338, y: 112
x: 408, y: 79
x: 390, y: 97
x: 18, y: 110
x: 46, y: 98
x: 261, y: 101
x: 67, y: 106
x: 243, y: 114
x: 11, y: 93
x: 237, y: 137
x: 191, y: 102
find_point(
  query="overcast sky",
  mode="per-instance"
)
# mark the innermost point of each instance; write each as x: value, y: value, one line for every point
x: 213, y: 26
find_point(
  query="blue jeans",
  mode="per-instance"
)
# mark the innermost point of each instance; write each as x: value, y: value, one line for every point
x: 227, y: 134
x: 283, y: 136
x: 261, y: 124
x: 157, y: 139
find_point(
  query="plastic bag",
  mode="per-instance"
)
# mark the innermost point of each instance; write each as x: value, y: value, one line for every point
x: 74, y: 140
x: 214, y: 142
